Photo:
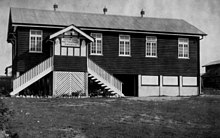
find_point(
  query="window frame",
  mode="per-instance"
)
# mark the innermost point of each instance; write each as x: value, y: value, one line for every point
x: 151, y: 46
x: 96, y: 46
x: 35, y: 41
x: 124, y: 40
x: 164, y: 79
x: 189, y: 84
x: 183, y: 42
x: 150, y: 84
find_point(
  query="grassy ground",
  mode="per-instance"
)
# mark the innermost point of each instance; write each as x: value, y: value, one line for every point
x: 126, y: 117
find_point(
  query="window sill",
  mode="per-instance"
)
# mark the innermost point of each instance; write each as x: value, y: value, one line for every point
x: 37, y: 52
x: 151, y: 56
x: 124, y: 55
x: 150, y: 85
x: 189, y: 86
x: 96, y: 54
x: 183, y: 58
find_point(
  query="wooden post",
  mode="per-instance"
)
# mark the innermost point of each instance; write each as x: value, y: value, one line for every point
x: 161, y: 84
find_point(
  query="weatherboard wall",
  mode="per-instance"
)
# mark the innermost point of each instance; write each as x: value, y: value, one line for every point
x: 70, y: 63
x: 166, y: 63
x: 26, y: 60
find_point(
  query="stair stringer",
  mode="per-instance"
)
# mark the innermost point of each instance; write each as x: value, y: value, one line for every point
x: 108, y: 85
x: 31, y: 81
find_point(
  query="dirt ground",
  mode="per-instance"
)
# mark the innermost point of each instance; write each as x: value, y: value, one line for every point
x: 115, y: 117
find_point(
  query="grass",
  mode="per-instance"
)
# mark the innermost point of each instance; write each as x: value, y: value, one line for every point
x: 109, y: 118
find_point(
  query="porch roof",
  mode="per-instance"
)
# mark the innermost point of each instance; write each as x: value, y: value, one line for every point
x: 70, y: 28
x: 24, y: 16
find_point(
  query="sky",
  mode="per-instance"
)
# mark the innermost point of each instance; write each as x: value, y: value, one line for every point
x: 204, y: 14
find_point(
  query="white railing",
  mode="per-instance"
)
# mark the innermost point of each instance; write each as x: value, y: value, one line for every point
x: 30, y: 74
x: 105, y: 75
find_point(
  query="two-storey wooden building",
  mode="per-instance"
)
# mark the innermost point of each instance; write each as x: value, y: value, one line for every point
x: 57, y: 53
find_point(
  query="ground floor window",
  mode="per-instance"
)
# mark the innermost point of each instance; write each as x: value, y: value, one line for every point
x: 149, y: 80
x: 170, y: 80
x: 189, y: 81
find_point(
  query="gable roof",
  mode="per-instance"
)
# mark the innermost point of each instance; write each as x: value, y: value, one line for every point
x: 70, y: 28
x: 89, y: 20
x: 212, y: 63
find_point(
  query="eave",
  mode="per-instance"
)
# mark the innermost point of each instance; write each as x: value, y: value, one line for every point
x: 109, y: 29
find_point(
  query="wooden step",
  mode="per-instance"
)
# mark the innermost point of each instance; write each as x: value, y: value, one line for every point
x: 103, y: 85
x: 93, y: 78
x: 97, y: 81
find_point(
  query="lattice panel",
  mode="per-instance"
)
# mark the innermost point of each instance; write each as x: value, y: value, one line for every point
x: 68, y: 82
x: 77, y: 81
x: 62, y: 83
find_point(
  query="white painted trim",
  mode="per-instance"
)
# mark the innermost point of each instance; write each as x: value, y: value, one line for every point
x: 31, y: 35
x: 31, y: 81
x: 183, y: 42
x: 151, y: 46
x: 124, y: 40
x: 69, y: 28
x: 96, y: 46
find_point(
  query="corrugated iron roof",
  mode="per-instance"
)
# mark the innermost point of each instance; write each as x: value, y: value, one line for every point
x: 60, y: 18
x: 212, y: 63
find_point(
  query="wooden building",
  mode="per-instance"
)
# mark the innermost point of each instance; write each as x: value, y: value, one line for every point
x: 57, y: 53
x: 211, y: 79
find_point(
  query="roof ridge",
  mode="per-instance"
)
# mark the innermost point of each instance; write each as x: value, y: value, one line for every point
x: 118, y: 15
x: 97, y: 20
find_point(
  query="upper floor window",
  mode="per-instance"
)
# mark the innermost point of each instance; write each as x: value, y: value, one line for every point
x: 183, y: 48
x: 35, y: 41
x: 151, y: 46
x: 96, y: 46
x: 124, y: 45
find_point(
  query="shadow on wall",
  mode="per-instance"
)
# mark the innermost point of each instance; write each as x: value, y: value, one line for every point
x: 5, y: 85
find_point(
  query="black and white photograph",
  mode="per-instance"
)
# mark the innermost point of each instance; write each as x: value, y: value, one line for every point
x: 109, y: 69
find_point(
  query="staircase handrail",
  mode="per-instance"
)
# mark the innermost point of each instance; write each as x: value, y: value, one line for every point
x: 104, y: 74
x: 30, y: 74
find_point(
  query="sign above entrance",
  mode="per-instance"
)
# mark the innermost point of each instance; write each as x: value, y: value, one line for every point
x: 71, y: 42
x: 71, y: 33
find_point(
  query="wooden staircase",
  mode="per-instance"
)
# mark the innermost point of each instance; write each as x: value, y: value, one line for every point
x: 32, y: 76
x: 103, y: 78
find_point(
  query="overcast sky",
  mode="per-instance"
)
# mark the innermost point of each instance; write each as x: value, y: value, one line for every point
x: 204, y: 14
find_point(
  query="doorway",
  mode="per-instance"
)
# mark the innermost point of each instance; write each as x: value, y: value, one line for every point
x: 130, y: 84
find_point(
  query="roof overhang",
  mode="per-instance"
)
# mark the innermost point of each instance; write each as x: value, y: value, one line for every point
x: 70, y: 28
x: 112, y: 30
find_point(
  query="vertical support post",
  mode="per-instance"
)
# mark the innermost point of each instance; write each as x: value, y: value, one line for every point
x: 200, y: 85
x: 161, y: 85
x: 54, y: 83
x: 180, y: 85
x: 86, y: 84
x: 70, y: 81
x: 86, y: 73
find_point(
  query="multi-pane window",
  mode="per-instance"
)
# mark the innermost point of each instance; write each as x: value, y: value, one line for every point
x: 96, y: 46
x: 35, y: 41
x: 183, y: 48
x: 151, y: 46
x: 124, y: 45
